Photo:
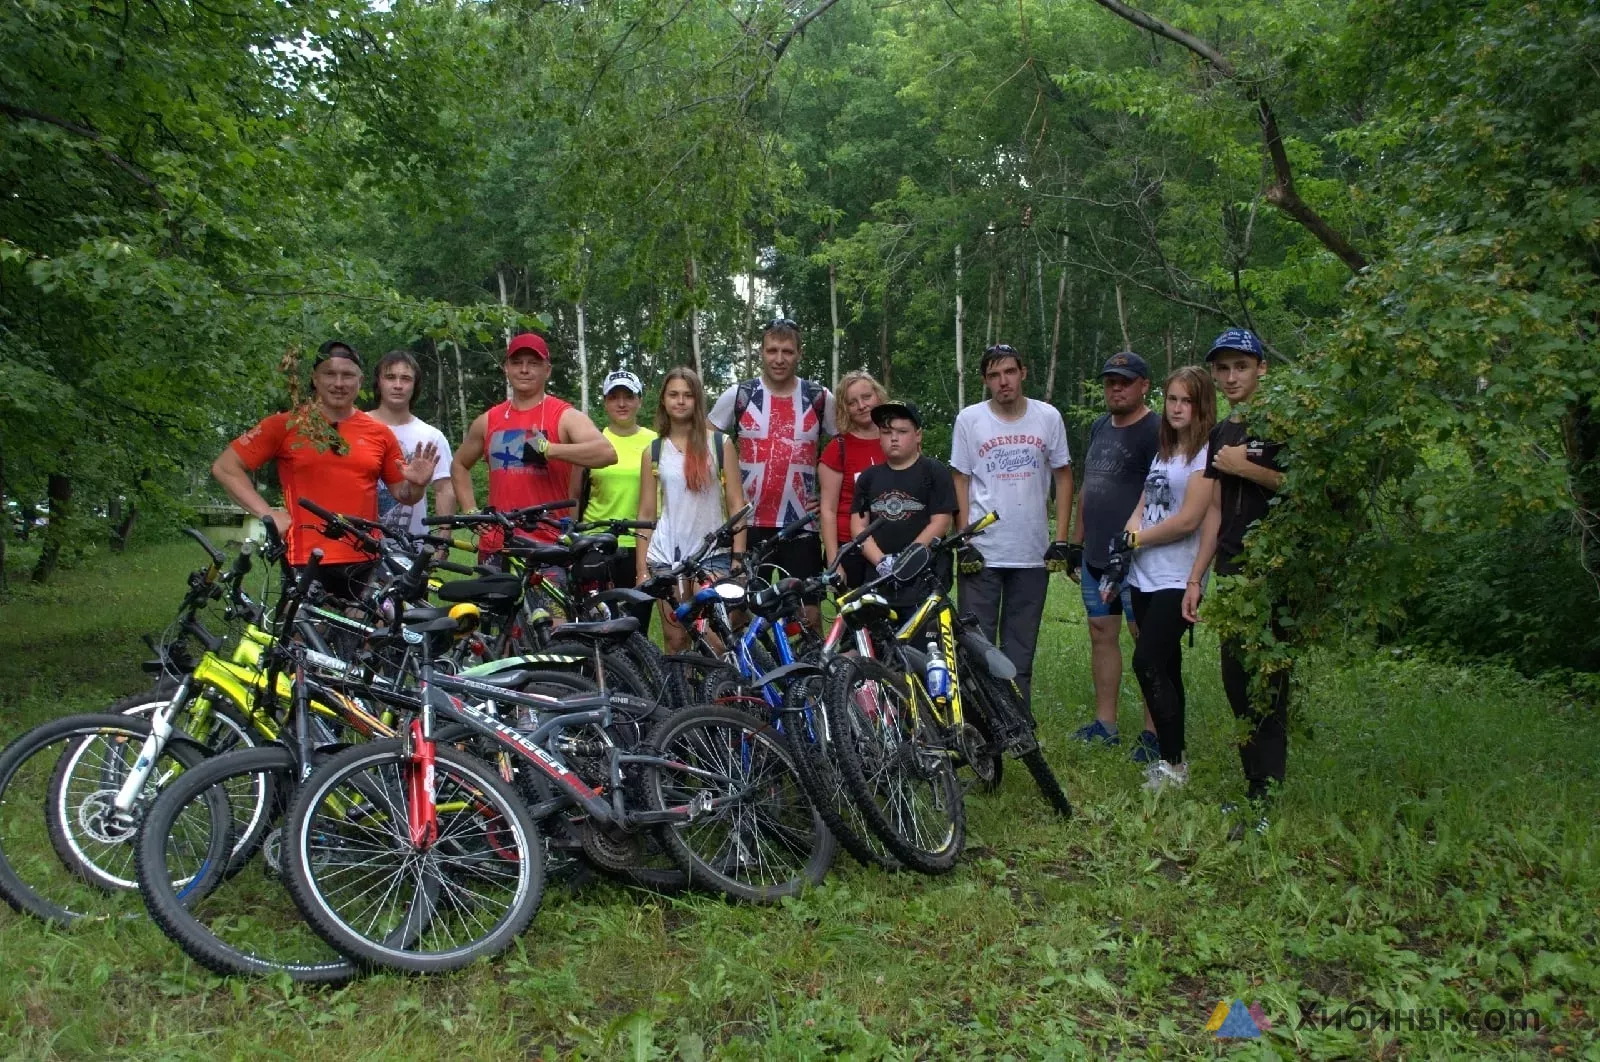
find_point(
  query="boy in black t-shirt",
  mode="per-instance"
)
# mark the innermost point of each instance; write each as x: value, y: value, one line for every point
x: 913, y: 494
x: 1248, y: 474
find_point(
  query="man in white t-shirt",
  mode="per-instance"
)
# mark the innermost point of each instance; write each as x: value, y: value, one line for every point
x: 1006, y: 455
x: 778, y: 420
x: 395, y: 382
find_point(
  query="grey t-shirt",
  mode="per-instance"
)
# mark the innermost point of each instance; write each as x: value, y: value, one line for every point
x: 1114, y: 470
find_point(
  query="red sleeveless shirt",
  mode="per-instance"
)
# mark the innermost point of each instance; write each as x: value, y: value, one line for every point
x: 515, y: 483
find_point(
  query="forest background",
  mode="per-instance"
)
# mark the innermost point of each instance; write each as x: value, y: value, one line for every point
x: 1399, y: 196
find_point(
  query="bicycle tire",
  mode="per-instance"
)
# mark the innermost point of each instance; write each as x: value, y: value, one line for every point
x: 492, y: 843
x: 907, y: 794
x: 231, y: 924
x: 39, y: 819
x: 759, y: 849
x: 824, y: 784
x: 1012, y: 716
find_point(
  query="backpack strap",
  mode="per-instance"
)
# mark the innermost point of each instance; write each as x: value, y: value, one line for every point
x: 655, y: 457
x: 717, y: 441
x: 742, y: 397
x: 583, y: 493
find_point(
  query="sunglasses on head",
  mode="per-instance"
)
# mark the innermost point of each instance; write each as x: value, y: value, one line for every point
x: 781, y: 322
x: 1001, y: 348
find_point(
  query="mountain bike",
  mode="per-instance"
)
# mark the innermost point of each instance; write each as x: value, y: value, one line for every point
x: 716, y: 784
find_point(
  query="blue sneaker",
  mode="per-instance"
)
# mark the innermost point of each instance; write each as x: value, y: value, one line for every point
x: 1096, y: 732
x: 1147, y: 749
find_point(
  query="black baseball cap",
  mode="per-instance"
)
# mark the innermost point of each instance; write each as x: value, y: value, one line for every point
x: 1127, y: 365
x: 883, y: 414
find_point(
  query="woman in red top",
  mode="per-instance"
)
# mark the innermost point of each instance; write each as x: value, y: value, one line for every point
x: 854, y: 450
x: 336, y: 463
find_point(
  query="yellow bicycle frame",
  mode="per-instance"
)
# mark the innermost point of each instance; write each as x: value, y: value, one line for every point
x: 241, y: 679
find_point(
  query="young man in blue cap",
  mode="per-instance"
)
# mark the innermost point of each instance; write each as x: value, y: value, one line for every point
x: 1248, y: 475
x: 1122, y: 444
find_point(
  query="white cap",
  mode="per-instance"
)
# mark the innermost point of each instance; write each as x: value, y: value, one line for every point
x: 622, y: 378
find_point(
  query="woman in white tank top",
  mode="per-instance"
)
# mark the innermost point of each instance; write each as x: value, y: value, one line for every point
x: 687, y: 490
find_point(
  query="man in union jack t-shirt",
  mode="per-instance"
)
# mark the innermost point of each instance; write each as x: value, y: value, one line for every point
x: 778, y: 421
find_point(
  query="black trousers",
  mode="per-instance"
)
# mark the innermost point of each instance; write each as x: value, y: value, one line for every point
x: 1158, y: 664
x: 623, y: 573
x: 1265, y: 753
x: 1009, y: 602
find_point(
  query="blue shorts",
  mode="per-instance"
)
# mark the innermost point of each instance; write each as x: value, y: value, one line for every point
x: 1121, y: 605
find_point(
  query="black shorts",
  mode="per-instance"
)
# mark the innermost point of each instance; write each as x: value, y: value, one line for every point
x: 347, y: 582
x: 800, y: 556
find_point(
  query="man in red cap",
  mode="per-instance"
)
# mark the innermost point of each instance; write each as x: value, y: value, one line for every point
x: 532, y: 440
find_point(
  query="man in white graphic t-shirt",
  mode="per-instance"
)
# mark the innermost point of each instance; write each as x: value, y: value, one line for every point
x: 778, y: 420
x: 1007, y: 454
x: 395, y: 383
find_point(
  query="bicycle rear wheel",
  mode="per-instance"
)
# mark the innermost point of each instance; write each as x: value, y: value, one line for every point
x: 370, y: 892
x: 240, y: 922
x: 759, y: 838
x: 64, y: 853
x: 1013, y: 724
x: 906, y: 789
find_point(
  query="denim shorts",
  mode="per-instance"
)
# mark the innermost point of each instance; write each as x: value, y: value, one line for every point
x: 1121, y: 605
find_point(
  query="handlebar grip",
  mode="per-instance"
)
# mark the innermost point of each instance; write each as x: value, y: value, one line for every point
x: 451, y: 566
x: 308, y: 574
x: 797, y: 526
x: 317, y: 510
x: 217, y: 556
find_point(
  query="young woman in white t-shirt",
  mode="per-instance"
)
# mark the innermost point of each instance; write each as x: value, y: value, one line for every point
x: 683, y: 492
x: 1173, y: 517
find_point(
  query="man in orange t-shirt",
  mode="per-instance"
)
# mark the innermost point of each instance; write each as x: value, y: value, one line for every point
x: 342, y: 477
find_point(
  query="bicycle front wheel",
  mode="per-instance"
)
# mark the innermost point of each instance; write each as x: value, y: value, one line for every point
x: 370, y: 892
x: 906, y: 789
x: 756, y: 836
x: 237, y: 921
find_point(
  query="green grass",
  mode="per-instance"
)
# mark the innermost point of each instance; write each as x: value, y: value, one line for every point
x: 1435, y: 848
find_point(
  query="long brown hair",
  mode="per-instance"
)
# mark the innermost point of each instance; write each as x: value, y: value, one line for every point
x: 697, y: 462
x: 1203, y: 398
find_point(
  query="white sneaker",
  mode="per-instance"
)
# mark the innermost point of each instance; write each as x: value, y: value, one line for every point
x: 1161, y: 774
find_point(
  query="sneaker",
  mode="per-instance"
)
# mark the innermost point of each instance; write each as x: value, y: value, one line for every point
x: 1243, y: 826
x: 1096, y: 732
x: 1147, y: 749
x: 1162, y: 775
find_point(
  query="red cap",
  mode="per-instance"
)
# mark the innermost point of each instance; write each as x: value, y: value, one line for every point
x: 528, y: 341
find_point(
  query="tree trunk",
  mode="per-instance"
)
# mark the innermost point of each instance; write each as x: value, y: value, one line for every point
x: 461, y: 389
x: 1122, y: 319
x: 1038, y: 276
x: 122, y: 529
x: 885, y: 361
x: 1055, y: 329
x: 961, y: 360
x: 753, y: 350
x: 59, y: 491
x: 694, y: 316
x: 583, y: 362
x: 988, y: 312
x: 500, y: 275
x: 440, y: 401
x: 833, y: 314
x: 1169, y: 350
